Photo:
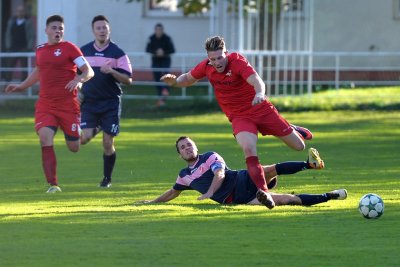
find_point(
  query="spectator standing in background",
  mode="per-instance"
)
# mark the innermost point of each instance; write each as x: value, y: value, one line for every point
x: 160, y: 46
x: 20, y: 37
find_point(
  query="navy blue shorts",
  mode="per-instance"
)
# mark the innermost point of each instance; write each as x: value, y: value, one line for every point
x: 245, y: 190
x: 106, y: 114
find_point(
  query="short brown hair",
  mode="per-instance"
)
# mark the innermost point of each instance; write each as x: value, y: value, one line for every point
x: 214, y: 43
x: 98, y: 18
x: 54, y: 18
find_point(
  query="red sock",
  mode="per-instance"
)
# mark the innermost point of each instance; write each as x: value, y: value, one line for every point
x: 49, y: 163
x: 256, y: 172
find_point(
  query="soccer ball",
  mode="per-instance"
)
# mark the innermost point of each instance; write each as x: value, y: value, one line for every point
x: 371, y: 206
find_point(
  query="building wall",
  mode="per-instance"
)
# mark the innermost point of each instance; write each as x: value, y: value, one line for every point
x: 340, y: 25
x: 130, y: 27
x: 356, y: 25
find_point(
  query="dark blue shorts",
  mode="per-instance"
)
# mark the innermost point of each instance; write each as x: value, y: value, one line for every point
x: 106, y: 114
x: 245, y: 190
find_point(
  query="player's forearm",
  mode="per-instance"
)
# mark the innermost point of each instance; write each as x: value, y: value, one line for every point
x: 121, y: 77
x: 167, y: 196
x: 217, y: 181
x: 86, y: 74
x: 184, y: 80
x: 30, y: 80
x: 257, y: 83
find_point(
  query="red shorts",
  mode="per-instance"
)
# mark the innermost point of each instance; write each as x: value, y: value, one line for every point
x: 69, y: 122
x: 269, y: 123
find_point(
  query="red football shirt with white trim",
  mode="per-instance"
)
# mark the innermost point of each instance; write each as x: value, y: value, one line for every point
x: 233, y: 93
x: 56, y: 68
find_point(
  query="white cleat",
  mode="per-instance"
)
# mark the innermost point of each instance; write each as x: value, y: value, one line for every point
x: 265, y: 198
x: 314, y: 160
x: 338, y: 194
x: 53, y: 189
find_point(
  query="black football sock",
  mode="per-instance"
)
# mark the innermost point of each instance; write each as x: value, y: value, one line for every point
x: 308, y: 199
x: 290, y: 167
x: 109, y: 162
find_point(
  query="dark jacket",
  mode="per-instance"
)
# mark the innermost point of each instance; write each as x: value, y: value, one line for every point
x: 29, y: 35
x: 164, y: 43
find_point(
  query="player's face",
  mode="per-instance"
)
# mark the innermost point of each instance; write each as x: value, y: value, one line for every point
x: 101, y: 31
x: 55, y: 32
x: 187, y: 149
x: 218, y: 59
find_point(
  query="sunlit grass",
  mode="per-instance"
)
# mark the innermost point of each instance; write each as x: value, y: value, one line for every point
x: 88, y: 226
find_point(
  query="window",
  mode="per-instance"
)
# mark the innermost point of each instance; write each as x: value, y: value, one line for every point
x: 294, y: 8
x: 165, y: 8
x: 396, y: 9
x: 169, y: 8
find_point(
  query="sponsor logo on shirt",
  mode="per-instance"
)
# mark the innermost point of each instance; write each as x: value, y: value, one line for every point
x: 99, y: 54
x: 57, y: 52
x: 193, y: 170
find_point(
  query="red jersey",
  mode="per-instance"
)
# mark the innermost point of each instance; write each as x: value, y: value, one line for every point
x: 233, y: 93
x: 56, y: 68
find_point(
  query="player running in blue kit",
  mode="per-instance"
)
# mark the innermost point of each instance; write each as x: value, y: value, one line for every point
x: 208, y: 174
x: 101, y: 104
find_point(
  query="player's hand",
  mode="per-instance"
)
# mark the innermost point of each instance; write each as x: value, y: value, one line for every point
x: 106, y: 69
x: 169, y: 79
x: 13, y: 88
x: 72, y: 85
x: 160, y: 52
x: 204, y: 196
x: 258, y: 98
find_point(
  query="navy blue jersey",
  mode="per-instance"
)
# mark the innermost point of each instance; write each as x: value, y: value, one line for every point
x: 199, y: 176
x: 104, y: 86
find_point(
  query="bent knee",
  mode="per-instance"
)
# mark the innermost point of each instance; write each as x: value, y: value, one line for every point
x: 300, y: 146
x: 84, y: 141
x: 74, y: 149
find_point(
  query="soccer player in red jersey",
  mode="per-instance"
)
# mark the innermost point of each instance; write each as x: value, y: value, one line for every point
x: 240, y: 92
x: 57, y: 62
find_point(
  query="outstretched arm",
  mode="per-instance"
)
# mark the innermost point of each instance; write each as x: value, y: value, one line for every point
x: 184, y: 80
x: 28, y: 82
x: 216, y: 183
x: 165, y: 197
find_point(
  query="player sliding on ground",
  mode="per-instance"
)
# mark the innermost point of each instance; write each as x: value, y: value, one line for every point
x: 240, y: 92
x: 208, y: 174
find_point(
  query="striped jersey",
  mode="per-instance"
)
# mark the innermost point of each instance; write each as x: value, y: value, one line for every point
x: 199, y: 176
x: 104, y: 86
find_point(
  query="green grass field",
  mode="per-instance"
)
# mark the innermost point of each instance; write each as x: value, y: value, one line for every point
x: 88, y: 226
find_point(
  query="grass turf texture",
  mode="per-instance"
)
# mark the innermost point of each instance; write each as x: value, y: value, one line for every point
x: 89, y: 226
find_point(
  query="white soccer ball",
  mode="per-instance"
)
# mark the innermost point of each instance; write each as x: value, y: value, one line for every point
x: 371, y: 206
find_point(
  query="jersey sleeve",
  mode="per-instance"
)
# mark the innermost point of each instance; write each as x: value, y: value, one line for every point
x: 243, y: 67
x: 199, y: 71
x: 74, y: 52
x: 180, y: 187
x: 181, y: 184
x: 216, y: 162
x: 124, y: 65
